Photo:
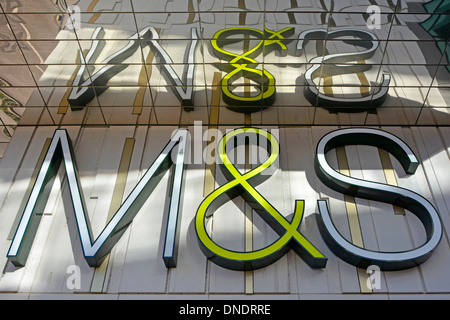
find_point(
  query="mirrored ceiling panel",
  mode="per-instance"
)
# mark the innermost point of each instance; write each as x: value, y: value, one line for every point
x: 277, y: 62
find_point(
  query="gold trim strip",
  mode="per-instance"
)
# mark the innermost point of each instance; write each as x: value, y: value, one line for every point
x: 243, y: 14
x: 91, y: 7
x: 29, y: 188
x: 210, y: 168
x: 248, y: 211
x: 95, y: 17
x: 328, y: 86
x: 291, y: 15
x: 192, y: 12
x: 353, y: 219
x: 249, y: 280
x: 389, y: 174
x: 145, y: 73
x: 98, y: 280
x: 365, y: 84
x: 350, y: 203
x: 64, y: 104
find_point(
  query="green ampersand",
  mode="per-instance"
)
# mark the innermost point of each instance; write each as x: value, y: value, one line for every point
x: 241, y: 184
x: 244, y: 66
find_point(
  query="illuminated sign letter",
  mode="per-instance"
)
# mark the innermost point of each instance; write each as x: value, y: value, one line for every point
x: 342, y: 63
x: 241, y: 184
x: 406, y: 199
x: 87, y: 83
x: 186, y: 96
x: 244, y: 66
x: 60, y: 150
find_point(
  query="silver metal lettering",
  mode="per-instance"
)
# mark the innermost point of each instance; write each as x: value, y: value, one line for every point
x: 334, y: 64
x: 60, y: 150
x: 184, y: 95
x: 419, y: 206
x: 88, y: 84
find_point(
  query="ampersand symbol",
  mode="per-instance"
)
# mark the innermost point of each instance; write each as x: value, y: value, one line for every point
x: 241, y: 184
x: 244, y: 66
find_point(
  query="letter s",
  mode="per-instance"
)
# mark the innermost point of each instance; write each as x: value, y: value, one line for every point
x: 339, y: 64
x: 404, y: 198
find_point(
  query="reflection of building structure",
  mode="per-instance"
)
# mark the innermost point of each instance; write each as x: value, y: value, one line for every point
x: 134, y: 71
x: 438, y: 25
x: 18, y: 32
x: 393, y: 54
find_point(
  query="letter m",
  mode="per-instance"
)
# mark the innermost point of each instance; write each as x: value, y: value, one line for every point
x: 60, y: 150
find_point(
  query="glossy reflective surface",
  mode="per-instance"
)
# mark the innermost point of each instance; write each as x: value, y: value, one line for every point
x: 50, y: 50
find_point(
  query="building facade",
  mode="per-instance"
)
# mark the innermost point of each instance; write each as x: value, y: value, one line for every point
x: 225, y: 149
